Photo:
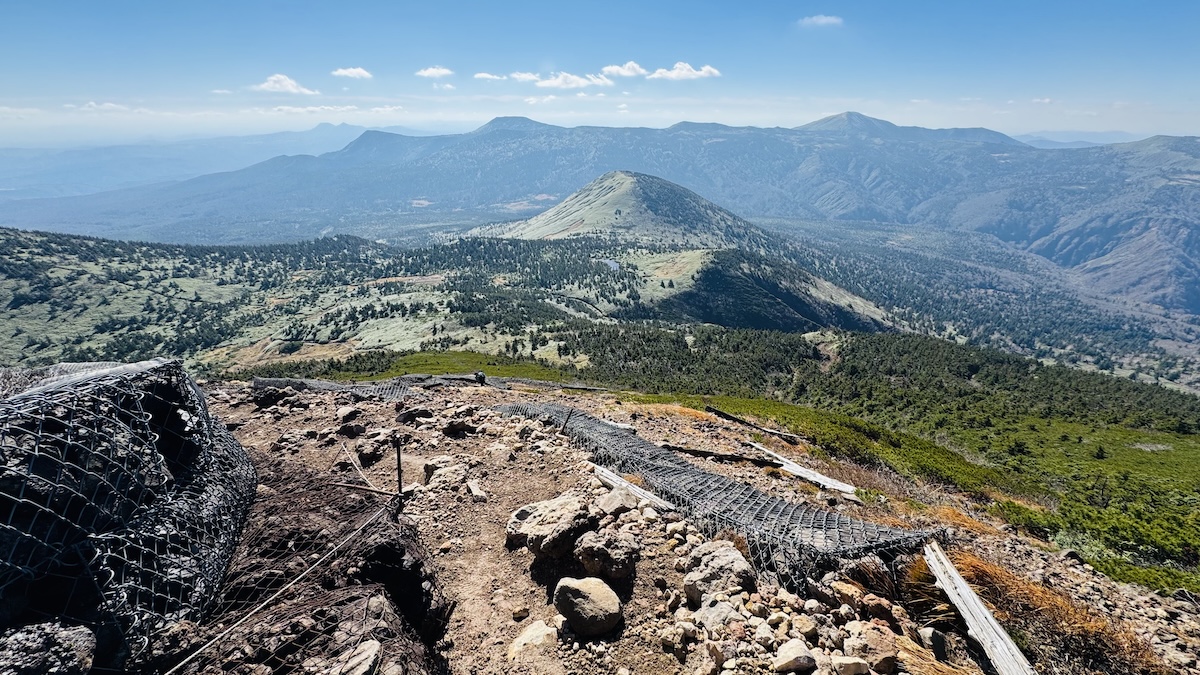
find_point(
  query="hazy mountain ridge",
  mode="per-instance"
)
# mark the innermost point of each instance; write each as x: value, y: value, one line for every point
x: 1072, y: 206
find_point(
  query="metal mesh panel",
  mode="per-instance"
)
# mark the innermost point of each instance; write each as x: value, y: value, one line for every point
x: 386, y: 390
x: 786, y: 539
x: 121, y: 502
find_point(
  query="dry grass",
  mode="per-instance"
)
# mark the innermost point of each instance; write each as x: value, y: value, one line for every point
x: 739, y: 542
x: 955, y: 518
x: 672, y: 409
x: 1053, y: 628
x: 920, y: 661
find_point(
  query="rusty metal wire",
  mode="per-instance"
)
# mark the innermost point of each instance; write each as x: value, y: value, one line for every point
x: 121, y: 502
x: 787, y: 540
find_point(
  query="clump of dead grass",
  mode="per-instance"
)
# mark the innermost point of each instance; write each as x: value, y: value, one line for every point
x: 1054, y: 629
x: 739, y: 542
x: 951, y: 516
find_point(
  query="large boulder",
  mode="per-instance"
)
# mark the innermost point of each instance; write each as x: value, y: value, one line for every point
x: 716, y: 567
x: 609, y: 553
x: 589, y: 605
x: 549, y: 529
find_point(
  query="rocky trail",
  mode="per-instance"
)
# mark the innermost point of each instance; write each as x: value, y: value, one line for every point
x: 547, y: 570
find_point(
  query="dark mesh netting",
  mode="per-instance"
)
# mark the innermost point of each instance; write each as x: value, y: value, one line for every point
x: 325, y: 580
x: 786, y: 539
x: 121, y: 502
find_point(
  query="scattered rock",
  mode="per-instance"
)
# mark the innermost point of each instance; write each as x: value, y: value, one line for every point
x: 847, y: 594
x: 935, y: 641
x: 617, y: 502
x: 476, y: 492
x: 849, y: 665
x: 872, y: 643
x: 348, y: 413
x: 590, y: 606
x: 716, y: 566
x: 536, y: 634
x: 459, y: 428
x: 715, y: 613
x: 794, y: 657
x: 549, y: 528
x: 413, y: 415
x: 47, y: 648
x: 609, y: 553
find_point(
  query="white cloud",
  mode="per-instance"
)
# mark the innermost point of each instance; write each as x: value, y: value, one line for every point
x: 443, y: 85
x: 534, y: 100
x: 104, y: 107
x: 489, y: 76
x: 283, y: 84
x: 623, y: 106
x: 434, y: 71
x: 1043, y: 101
x: 820, y: 21
x: 386, y: 109
x: 356, y: 73
x: 525, y: 77
x: 683, y: 71
x: 630, y: 69
x: 569, y: 81
x: 220, y: 91
x: 291, y: 109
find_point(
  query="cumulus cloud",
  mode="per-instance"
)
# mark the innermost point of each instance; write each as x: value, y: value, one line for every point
x: 283, y: 84
x: 534, y: 100
x: 434, y: 71
x: 489, y: 76
x: 103, y: 107
x: 683, y: 71
x: 355, y: 73
x: 820, y: 21
x: 569, y: 81
x: 630, y: 69
x: 446, y: 86
x: 525, y: 77
x: 1043, y: 101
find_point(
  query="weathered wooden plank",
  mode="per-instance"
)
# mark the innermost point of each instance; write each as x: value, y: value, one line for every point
x: 806, y: 473
x: 614, y: 480
x: 981, y: 625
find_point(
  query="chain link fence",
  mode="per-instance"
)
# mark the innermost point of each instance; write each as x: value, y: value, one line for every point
x: 121, y: 502
x: 787, y: 540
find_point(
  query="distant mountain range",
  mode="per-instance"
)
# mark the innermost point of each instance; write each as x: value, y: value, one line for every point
x: 27, y: 173
x: 1123, y: 215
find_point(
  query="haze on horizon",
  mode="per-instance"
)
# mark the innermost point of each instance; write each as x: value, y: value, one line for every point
x: 110, y: 73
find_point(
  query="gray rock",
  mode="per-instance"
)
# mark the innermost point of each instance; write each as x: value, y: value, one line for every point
x: 536, y: 634
x: 362, y: 660
x: 617, y: 502
x: 549, y: 529
x: 448, y: 478
x: 716, y: 567
x: 348, y: 413
x: 476, y: 492
x: 47, y: 648
x: 794, y: 657
x: 590, y: 606
x: 609, y: 553
x: 715, y: 613
x: 849, y: 665
x: 935, y: 641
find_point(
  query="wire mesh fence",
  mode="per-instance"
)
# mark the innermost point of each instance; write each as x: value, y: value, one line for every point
x: 121, y: 502
x: 787, y: 540
x: 325, y: 580
x: 387, y: 390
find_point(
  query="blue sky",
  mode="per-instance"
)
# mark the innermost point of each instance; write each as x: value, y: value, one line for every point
x: 121, y: 70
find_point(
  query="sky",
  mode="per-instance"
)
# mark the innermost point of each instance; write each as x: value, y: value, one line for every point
x: 118, y: 71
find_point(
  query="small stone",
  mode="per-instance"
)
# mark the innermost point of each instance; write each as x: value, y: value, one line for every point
x: 849, y: 665
x: 617, y: 502
x: 536, y: 634
x: 847, y: 593
x: 476, y: 492
x: 874, y: 644
x: 520, y: 613
x: 794, y: 657
x: 348, y: 413
x: 362, y: 660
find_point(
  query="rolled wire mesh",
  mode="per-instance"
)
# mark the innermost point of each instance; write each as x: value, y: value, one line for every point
x: 121, y: 502
x: 786, y: 539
